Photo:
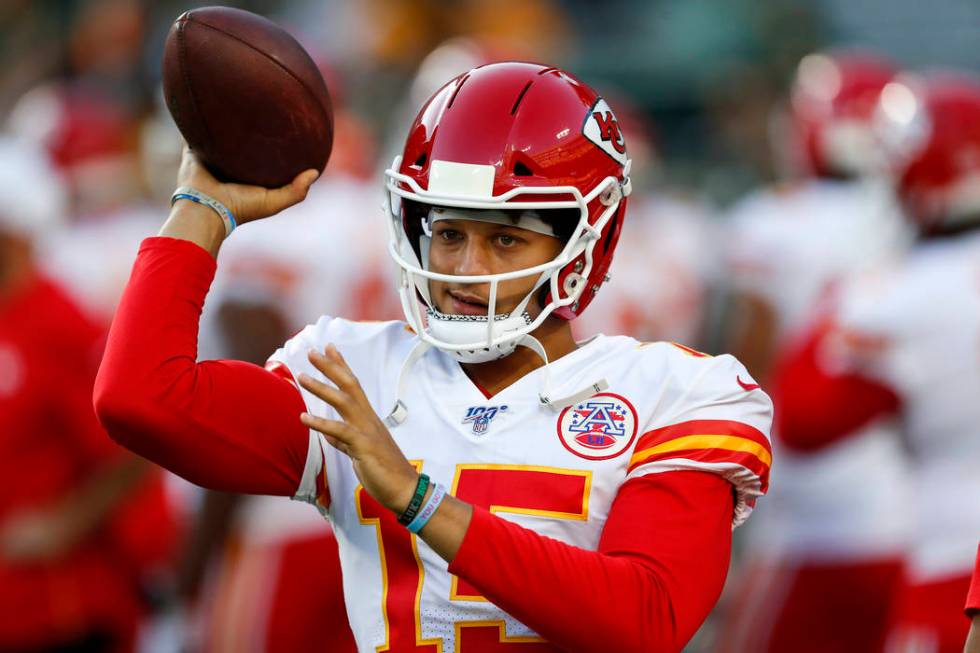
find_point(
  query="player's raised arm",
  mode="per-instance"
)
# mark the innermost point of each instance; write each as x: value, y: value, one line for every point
x: 225, y: 425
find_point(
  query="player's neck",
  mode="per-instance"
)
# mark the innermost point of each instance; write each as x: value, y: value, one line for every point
x: 555, y: 336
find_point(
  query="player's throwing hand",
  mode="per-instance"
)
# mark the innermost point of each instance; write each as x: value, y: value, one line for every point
x: 245, y: 202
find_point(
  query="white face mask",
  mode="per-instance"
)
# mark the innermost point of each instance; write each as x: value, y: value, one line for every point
x: 481, y: 338
x: 462, y: 329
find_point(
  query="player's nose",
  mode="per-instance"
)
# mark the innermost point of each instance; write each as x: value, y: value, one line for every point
x: 474, y: 258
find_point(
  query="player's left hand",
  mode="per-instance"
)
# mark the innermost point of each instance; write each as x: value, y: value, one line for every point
x: 378, y: 462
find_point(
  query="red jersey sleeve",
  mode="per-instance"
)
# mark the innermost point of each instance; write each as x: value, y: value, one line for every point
x: 818, y: 406
x: 224, y: 425
x: 659, y: 569
x: 973, y: 598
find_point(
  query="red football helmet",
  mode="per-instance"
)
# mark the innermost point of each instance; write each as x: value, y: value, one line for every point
x: 509, y: 136
x: 931, y: 127
x: 831, y: 107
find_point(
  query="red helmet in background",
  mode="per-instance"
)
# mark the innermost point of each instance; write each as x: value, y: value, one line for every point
x: 91, y: 139
x: 832, y: 104
x: 516, y: 137
x: 930, y: 126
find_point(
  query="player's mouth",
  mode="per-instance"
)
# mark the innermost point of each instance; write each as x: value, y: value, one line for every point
x: 465, y: 304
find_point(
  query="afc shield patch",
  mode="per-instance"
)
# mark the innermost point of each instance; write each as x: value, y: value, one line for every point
x: 601, y: 427
x: 602, y: 128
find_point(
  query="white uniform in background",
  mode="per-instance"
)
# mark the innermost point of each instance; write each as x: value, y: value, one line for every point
x: 916, y: 329
x: 837, y: 517
x: 791, y: 246
x: 92, y: 258
x: 666, y: 257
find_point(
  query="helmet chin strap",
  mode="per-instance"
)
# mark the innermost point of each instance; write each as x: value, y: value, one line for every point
x: 545, y: 396
x: 399, y: 412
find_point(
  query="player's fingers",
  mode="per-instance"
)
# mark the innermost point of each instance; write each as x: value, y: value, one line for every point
x: 336, y: 370
x: 277, y: 199
x: 353, y: 386
x: 337, y: 398
x: 339, y: 431
x: 334, y: 442
x: 337, y: 444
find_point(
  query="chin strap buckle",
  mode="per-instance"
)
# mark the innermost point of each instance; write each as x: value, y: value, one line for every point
x: 397, y: 415
x: 575, y: 398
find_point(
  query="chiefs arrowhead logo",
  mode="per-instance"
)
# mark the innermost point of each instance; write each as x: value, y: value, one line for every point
x: 602, y: 128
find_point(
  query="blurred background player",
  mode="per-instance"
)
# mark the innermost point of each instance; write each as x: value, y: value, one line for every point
x: 82, y: 523
x: 707, y: 83
x: 822, y: 562
x: 902, y: 341
x: 98, y: 149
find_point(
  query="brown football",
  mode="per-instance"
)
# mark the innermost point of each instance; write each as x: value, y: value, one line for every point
x: 246, y: 96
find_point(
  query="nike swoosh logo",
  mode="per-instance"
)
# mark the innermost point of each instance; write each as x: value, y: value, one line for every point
x: 748, y: 387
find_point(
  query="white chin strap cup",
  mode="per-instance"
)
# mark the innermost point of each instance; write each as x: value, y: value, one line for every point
x: 464, y: 329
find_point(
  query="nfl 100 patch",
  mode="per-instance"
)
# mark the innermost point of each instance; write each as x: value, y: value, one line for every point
x: 481, y: 416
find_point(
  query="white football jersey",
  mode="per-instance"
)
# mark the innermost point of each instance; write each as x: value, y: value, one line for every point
x: 556, y: 472
x: 916, y: 327
x: 92, y: 258
x: 792, y: 245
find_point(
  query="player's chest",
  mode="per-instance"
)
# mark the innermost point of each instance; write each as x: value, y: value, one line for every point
x: 555, y: 471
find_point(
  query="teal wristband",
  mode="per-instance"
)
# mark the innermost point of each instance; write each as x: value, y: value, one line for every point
x: 421, y: 519
x: 413, y: 507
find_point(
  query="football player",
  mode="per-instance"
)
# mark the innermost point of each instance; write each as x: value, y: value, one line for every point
x: 903, y: 341
x: 80, y: 519
x: 493, y: 483
x: 827, y: 548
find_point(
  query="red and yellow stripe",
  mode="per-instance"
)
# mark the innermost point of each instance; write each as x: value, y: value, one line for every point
x: 691, y: 352
x: 708, y: 441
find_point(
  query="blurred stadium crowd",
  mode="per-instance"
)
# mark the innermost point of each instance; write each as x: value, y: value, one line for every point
x: 779, y: 195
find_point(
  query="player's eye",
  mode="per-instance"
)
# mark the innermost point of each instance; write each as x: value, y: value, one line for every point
x: 448, y: 235
x: 506, y: 240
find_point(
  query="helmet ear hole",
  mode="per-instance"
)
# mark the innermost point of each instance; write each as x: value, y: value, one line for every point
x: 543, y: 295
x: 612, y: 230
x: 521, y: 170
x: 420, y: 162
x: 413, y: 213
